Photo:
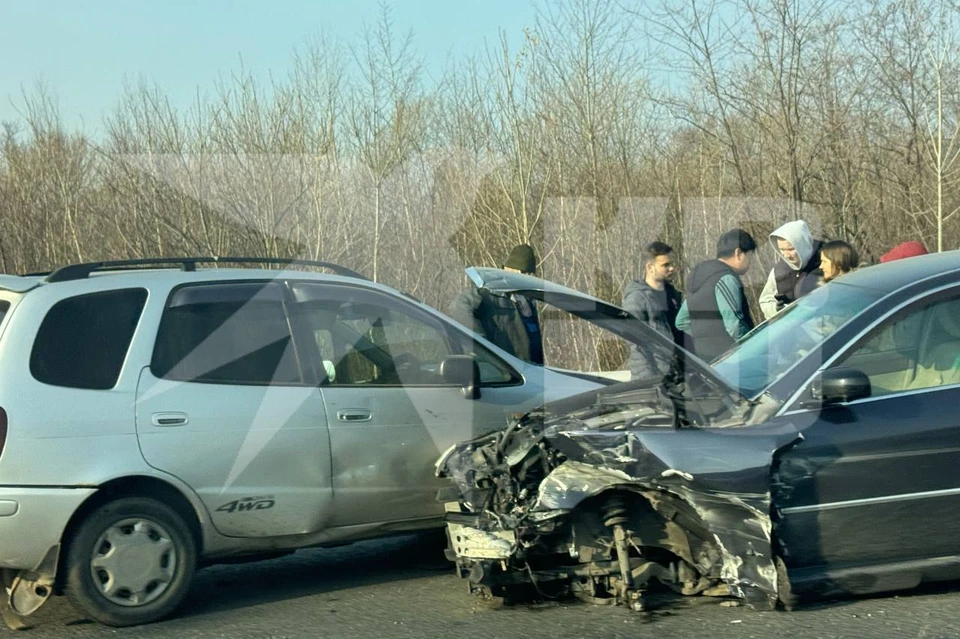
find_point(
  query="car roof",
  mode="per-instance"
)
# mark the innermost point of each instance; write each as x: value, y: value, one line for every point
x: 19, y: 283
x: 177, y: 269
x: 892, y: 276
x: 177, y: 276
x: 168, y: 276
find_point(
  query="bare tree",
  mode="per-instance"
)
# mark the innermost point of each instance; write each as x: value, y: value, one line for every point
x: 946, y: 119
x: 386, y: 113
x: 578, y: 140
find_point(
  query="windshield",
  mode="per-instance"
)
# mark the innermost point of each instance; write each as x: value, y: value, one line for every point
x: 767, y: 352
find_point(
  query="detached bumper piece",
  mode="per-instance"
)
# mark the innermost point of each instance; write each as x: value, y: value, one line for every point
x: 25, y: 591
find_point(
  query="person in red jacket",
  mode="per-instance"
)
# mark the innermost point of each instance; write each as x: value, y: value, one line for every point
x: 906, y: 249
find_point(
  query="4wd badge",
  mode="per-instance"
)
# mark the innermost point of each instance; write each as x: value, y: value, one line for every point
x: 246, y: 504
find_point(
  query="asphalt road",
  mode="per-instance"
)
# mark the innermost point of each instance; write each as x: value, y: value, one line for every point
x: 403, y: 587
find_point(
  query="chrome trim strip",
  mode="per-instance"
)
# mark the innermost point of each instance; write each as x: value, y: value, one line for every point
x: 788, y: 406
x: 900, y: 454
x: 871, y: 501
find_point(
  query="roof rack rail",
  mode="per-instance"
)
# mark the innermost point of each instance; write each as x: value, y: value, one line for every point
x: 83, y: 271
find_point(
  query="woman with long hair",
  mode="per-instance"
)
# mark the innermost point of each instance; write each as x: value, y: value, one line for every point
x: 836, y: 258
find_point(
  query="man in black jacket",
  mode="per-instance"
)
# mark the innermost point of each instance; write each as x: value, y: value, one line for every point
x: 715, y: 313
x: 654, y: 301
x: 512, y: 323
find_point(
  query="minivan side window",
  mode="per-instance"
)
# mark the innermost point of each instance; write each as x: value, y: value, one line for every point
x: 367, y: 338
x: 364, y: 338
x: 234, y: 333
x: 83, y: 340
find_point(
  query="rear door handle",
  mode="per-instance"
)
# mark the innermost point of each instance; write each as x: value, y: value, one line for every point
x: 169, y: 419
x: 354, y: 415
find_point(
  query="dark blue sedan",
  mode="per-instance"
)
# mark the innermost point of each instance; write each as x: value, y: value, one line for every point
x: 820, y: 456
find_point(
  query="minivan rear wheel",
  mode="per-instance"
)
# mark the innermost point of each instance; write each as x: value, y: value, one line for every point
x: 130, y: 562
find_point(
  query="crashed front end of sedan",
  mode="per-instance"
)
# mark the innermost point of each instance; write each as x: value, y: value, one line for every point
x: 605, y: 499
x: 605, y: 495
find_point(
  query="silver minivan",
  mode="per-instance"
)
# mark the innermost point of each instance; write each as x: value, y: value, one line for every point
x: 156, y: 416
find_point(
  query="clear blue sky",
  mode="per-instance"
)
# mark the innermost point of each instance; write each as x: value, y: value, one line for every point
x: 84, y: 50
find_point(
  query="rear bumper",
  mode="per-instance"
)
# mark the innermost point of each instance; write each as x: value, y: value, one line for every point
x: 32, y: 520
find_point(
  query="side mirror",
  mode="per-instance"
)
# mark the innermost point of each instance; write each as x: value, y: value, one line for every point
x: 462, y: 371
x: 836, y: 385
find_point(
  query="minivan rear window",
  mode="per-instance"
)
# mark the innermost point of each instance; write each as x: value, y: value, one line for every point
x: 83, y: 340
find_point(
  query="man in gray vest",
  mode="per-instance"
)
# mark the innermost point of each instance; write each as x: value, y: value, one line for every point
x: 715, y: 313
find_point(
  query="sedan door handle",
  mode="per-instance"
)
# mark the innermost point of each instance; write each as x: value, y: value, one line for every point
x: 354, y: 415
x: 169, y: 419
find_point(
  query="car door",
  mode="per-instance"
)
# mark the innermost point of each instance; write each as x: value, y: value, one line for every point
x: 390, y: 412
x: 877, y: 480
x: 224, y: 406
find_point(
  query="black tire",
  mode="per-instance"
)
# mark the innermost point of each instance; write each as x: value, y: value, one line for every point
x: 148, y: 534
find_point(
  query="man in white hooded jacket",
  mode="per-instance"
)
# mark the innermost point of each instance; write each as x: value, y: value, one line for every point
x: 798, y: 263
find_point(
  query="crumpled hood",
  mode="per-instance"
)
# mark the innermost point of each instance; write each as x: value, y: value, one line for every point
x: 604, y: 315
x: 798, y: 234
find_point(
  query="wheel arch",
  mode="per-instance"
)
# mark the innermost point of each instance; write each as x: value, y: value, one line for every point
x: 733, y: 529
x: 131, y: 486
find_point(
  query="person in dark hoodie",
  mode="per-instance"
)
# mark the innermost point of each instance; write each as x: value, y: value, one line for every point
x: 798, y: 260
x: 512, y: 323
x: 716, y: 313
x: 654, y: 301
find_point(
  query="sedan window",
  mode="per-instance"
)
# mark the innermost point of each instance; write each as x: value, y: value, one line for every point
x: 762, y: 356
x: 916, y: 351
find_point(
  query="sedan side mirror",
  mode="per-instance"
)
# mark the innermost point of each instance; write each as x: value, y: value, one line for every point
x: 462, y: 371
x: 837, y: 385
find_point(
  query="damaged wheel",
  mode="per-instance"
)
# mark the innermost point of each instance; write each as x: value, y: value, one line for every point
x: 130, y: 562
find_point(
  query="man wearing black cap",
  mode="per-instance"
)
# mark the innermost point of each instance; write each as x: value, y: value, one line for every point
x: 511, y: 322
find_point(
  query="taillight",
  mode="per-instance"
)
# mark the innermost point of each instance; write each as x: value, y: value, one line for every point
x: 3, y: 429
